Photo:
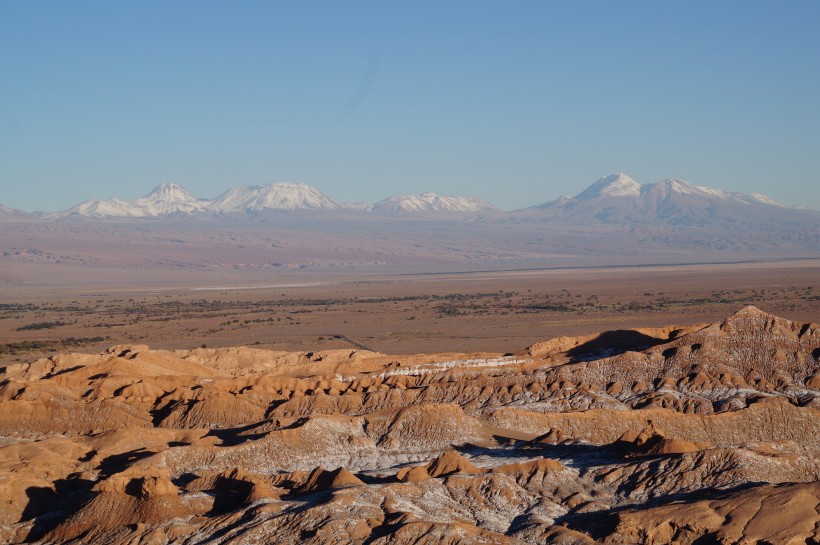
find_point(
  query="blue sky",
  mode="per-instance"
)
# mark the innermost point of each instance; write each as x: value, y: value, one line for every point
x: 515, y: 102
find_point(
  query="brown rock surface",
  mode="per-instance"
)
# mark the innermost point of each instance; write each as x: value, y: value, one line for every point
x: 451, y: 462
x: 763, y: 514
x: 701, y: 434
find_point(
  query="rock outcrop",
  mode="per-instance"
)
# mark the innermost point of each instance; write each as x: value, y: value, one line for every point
x: 697, y: 434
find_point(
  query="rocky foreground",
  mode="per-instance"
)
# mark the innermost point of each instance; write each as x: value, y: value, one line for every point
x: 690, y: 435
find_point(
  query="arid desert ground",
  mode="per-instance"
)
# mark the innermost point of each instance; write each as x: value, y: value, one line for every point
x: 658, y: 404
x: 401, y: 313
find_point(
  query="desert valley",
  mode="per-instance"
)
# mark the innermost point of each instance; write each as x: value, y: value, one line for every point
x: 409, y: 273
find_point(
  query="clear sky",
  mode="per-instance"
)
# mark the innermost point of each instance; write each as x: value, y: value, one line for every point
x: 515, y: 102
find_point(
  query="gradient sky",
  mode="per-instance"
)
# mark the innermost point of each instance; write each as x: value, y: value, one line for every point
x: 515, y: 102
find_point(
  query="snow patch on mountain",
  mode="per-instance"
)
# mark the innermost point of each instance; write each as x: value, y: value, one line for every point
x: 432, y: 202
x: 281, y: 196
x: 169, y: 199
x: 163, y: 200
x: 101, y: 209
x: 618, y: 199
x: 614, y: 185
x: 763, y: 199
x: 361, y: 205
x: 682, y: 187
x: 621, y: 185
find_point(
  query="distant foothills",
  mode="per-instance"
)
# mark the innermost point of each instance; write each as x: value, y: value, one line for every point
x: 616, y: 198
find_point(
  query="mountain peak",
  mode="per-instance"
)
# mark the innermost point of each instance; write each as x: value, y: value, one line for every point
x: 170, y: 192
x: 751, y: 318
x: 614, y: 185
x: 166, y: 198
x: 278, y: 196
x: 751, y: 311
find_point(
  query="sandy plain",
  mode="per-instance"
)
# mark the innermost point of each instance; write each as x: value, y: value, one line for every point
x: 499, y: 311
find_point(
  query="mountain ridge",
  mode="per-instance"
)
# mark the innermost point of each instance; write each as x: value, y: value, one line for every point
x: 169, y: 198
x: 7, y: 211
x: 280, y: 196
x: 433, y: 202
x: 616, y: 198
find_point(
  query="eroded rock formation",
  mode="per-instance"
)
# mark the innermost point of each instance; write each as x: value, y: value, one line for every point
x: 705, y: 433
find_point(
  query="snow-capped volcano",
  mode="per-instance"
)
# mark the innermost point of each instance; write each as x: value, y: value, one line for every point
x: 668, y: 188
x: 109, y: 208
x: 281, y: 196
x: 617, y: 198
x: 169, y: 198
x: 432, y: 202
x: 168, y: 193
x: 614, y: 185
x: 163, y: 200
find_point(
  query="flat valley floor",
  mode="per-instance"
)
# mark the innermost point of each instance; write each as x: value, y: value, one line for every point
x: 394, y: 314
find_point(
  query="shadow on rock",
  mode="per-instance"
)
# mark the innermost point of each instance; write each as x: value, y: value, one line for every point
x: 613, y: 343
x: 601, y: 524
x: 120, y: 462
x: 49, y: 507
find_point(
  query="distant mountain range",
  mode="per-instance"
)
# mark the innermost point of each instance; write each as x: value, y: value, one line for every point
x: 614, y: 199
x: 256, y: 229
x: 618, y: 199
x: 172, y: 200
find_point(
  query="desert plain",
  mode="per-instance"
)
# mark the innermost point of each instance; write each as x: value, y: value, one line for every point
x: 497, y: 311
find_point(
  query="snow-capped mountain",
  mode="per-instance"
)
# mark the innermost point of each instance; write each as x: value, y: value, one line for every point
x: 169, y: 199
x: 110, y: 208
x: 617, y: 198
x: 614, y: 199
x: 282, y: 196
x: 614, y: 185
x: 668, y: 188
x: 163, y: 200
x: 431, y: 202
